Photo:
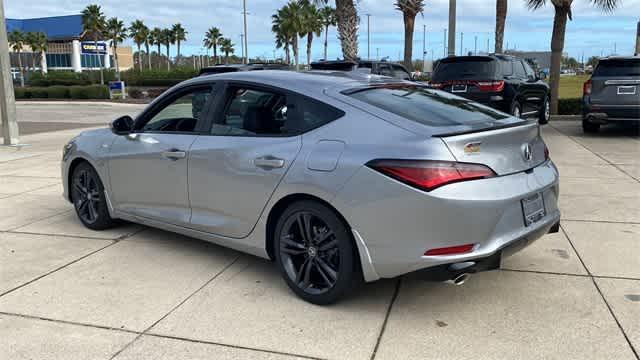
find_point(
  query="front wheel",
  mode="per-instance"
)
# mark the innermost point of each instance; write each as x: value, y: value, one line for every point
x: 87, y: 194
x: 315, y: 253
x: 516, y: 109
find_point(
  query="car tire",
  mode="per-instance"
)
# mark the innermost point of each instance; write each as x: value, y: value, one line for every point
x: 516, y: 109
x: 319, y: 265
x: 589, y: 127
x: 545, y: 112
x: 88, y: 197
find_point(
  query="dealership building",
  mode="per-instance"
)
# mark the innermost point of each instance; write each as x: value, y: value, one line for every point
x: 66, y: 49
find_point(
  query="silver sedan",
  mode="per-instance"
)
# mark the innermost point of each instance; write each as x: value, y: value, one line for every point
x: 338, y: 179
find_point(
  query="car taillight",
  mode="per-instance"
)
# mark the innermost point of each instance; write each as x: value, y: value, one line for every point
x: 492, y: 86
x: 452, y: 250
x: 436, y: 85
x: 428, y: 175
x: 586, y: 88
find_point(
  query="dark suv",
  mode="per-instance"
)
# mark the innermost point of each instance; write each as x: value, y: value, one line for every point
x: 502, y: 82
x: 376, y: 67
x: 612, y: 93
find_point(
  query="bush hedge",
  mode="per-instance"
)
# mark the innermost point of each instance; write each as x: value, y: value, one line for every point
x: 63, y: 92
x: 572, y: 106
x: 157, y: 77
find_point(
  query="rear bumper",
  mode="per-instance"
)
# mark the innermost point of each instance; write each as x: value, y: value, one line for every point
x: 604, y: 114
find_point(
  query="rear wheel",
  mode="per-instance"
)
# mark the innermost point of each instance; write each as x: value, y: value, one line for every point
x: 516, y: 109
x: 545, y: 112
x: 315, y: 253
x: 87, y: 194
x: 589, y: 127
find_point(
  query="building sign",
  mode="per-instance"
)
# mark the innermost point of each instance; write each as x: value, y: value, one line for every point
x: 116, y: 89
x: 91, y: 48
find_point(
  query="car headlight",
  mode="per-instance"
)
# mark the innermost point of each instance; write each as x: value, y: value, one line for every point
x: 67, y: 149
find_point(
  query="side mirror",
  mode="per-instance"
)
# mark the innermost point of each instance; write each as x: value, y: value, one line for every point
x: 122, y: 125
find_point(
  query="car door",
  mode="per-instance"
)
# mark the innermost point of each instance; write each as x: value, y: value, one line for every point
x: 236, y: 168
x: 148, y: 167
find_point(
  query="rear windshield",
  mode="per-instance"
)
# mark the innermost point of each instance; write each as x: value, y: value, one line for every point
x: 465, y: 69
x: 426, y: 106
x: 630, y: 67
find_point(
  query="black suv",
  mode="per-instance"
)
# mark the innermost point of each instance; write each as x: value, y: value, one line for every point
x: 612, y: 94
x: 502, y: 82
x: 376, y: 67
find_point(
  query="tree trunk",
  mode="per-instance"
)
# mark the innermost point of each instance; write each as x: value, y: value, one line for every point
x: 326, y: 41
x: 409, y: 21
x: 139, y: 57
x: 146, y: 46
x: 215, y: 54
x: 168, y: 61
x: 309, y: 42
x: 287, y: 54
x: 347, y: 16
x: 501, y: 18
x: 21, y: 69
x: 557, y: 45
x: 159, y: 55
x: 178, y: 55
x: 95, y: 43
x: 115, y: 58
x: 295, y: 54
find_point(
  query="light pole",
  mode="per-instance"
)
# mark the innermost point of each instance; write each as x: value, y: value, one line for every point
x: 461, y: 44
x: 444, y: 44
x: 242, y: 42
x: 8, y: 118
x: 475, y: 46
x: 424, y: 48
x: 378, y: 53
x: 452, y: 27
x: 368, y: 37
x: 245, y: 56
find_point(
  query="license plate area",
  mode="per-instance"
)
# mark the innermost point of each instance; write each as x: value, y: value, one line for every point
x: 533, y: 209
x: 459, y: 88
x: 626, y: 90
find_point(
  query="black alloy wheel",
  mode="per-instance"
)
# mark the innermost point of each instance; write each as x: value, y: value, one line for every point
x: 315, y: 252
x: 87, y: 194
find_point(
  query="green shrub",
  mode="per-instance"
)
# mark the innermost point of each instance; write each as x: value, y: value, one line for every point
x: 22, y: 93
x: 59, y: 92
x: 157, y: 77
x: 39, y: 93
x: 63, y: 78
x: 89, y: 92
x: 571, y: 106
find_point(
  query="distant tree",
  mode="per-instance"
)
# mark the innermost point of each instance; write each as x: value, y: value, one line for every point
x: 155, y: 38
x: 409, y: 9
x: 327, y: 18
x: 570, y: 63
x: 16, y: 41
x: 139, y: 32
x: 38, y: 43
x: 168, y: 38
x: 226, y: 46
x: 288, y: 21
x: 211, y: 41
x: 347, y: 16
x: 311, y: 24
x: 117, y: 33
x: 283, y: 35
x: 180, y: 35
x: 593, y: 61
x: 93, y: 25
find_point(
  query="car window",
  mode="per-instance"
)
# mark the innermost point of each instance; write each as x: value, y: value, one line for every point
x: 427, y: 107
x: 528, y: 70
x: 618, y: 67
x: 182, y: 114
x: 252, y: 112
x: 519, y: 70
x: 465, y: 68
x: 312, y: 114
x: 400, y: 73
x: 385, y: 70
x: 507, y: 67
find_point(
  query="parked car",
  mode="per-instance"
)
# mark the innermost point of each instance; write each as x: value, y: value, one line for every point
x: 612, y: 94
x: 502, y: 82
x: 220, y: 69
x: 376, y: 67
x: 336, y: 180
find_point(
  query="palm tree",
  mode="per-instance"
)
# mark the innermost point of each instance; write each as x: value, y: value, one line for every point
x: 155, y: 38
x: 16, y: 41
x: 226, y: 46
x: 139, y: 32
x: 562, y: 13
x: 38, y: 43
x: 168, y: 38
x: 117, y: 33
x: 283, y: 39
x: 147, y: 43
x: 93, y: 24
x: 288, y: 22
x: 409, y: 9
x: 180, y: 34
x: 328, y: 18
x: 501, y: 18
x: 347, y: 17
x: 311, y: 24
x: 211, y: 39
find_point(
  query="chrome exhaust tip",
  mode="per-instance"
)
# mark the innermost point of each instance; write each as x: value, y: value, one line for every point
x: 460, y: 279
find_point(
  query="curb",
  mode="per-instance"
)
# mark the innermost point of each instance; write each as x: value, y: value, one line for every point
x: 566, y: 118
x: 55, y: 102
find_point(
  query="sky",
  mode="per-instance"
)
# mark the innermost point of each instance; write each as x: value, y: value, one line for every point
x: 591, y: 33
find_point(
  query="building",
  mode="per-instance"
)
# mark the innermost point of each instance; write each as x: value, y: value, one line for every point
x: 67, y: 50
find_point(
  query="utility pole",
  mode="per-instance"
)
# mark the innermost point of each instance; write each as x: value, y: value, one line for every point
x: 424, y: 48
x: 242, y: 42
x: 452, y: 27
x: 245, y: 56
x: 378, y: 53
x: 444, y: 44
x: 368, y: 36
x: 461, y: 43
x: 615, y: 48
x: 488, y: 40
x: 8, y: 118
x: 475, y: 46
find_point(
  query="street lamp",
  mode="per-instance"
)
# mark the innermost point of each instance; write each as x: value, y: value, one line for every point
x: 368, y: 37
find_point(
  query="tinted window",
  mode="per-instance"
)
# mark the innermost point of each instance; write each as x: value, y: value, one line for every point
x: 528, y: 70
x: 386, y: 70
x: 519, y: 70
x: 400, y: 73
x: 183, y: 114
x: 618, y: 68
x: 313, y: 114
x: 472, y: 68
x: 507, y: 67
x: 428, y: 107
x: 252, y: 112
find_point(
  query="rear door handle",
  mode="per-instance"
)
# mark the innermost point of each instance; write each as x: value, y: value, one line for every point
x: 268, y: 162
x: 174, y: 154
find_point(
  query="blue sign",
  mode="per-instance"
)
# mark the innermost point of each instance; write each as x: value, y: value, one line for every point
x: 93, y: 48
x: 117, y: 90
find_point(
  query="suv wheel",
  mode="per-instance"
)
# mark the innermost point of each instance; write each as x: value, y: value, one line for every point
x: 516, y: 109
x: 589, y: 127
x: 315, y: 253
x: 545, y: 112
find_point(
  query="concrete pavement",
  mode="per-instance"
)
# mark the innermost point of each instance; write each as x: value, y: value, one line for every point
x: 137, y: 293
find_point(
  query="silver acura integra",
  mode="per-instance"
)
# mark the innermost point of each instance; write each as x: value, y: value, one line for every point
x: 336, y: 178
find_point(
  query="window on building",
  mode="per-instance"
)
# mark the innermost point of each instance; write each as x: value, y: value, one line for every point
x: 58, y: 60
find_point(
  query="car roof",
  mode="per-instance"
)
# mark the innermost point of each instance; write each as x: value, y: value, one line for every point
x: 620, y: 57
x: 313, y: 83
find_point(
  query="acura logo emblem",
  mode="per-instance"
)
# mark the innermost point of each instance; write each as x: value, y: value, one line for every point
x: 527, y: 153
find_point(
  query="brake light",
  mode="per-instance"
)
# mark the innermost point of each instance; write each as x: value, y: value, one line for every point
x: 453, y: 250
x: 428, y: 175
x: 586, y: 88
x: 492, y: 86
